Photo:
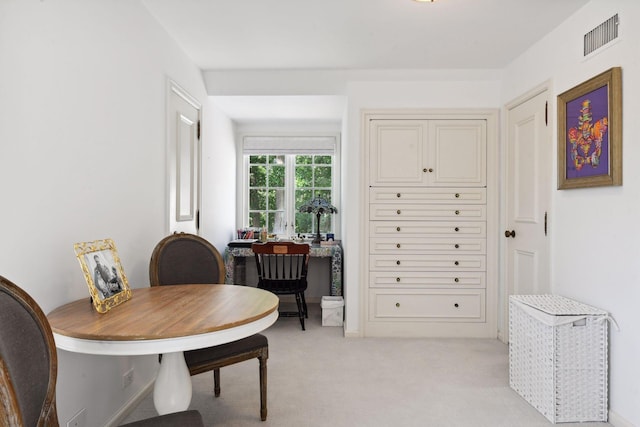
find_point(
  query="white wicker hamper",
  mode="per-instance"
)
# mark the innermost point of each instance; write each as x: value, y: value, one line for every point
x: 558, y: 357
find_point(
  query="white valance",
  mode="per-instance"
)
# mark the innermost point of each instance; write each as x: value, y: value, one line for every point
x: 289, y: 145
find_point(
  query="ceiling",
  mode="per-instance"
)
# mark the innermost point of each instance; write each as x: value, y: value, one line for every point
x: 227, y: 35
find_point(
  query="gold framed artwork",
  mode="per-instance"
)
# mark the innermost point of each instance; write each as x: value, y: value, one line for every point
x: 103, y: 273
x: 590, y: 132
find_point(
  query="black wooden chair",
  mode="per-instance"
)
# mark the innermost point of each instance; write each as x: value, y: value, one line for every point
x: 29, y: 367
x: 282, y: 269
x: 184, y: 258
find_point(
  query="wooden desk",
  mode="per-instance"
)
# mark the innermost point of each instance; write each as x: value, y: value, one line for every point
x: 167, y: 320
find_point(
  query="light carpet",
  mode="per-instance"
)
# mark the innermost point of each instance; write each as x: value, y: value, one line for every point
x: 319, y: 378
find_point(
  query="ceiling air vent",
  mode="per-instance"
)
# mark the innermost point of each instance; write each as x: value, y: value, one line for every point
x: 601, y: 35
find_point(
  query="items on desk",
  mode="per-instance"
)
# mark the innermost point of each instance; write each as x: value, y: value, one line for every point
x: 251, y: 233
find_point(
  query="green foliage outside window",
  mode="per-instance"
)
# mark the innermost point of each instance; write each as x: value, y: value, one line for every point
x: 312, y: 177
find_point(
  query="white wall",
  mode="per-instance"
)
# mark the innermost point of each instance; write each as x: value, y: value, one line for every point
x: 595, y: 232
x: 82, y: 157
x: 447, y: 89
x: 218, y: 206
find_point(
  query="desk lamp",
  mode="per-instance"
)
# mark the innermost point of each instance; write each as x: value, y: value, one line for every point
x: 318, y: 206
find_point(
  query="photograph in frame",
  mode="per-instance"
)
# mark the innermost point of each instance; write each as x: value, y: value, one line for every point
x: 108, y: 285
x: 590, y: 133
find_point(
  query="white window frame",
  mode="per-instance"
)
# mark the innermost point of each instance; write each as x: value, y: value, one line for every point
x: 287, y: 144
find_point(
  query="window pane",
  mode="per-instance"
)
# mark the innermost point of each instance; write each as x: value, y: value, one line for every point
x: 324, y: 194
x: 276, y: 176
x: 257, y: 176
x: 258, y: 159
x: 276, y: 160
x: 304, y: 160
x: 302, y: 197
x: 276, y: 222
x: 322, y: 176
x: 304, y: 222
x: 325, y: 223
x: 276, y: 200
x: 257, y: 219
x: 322, y: 160
x: 304, y: 176
x: 257, y: 199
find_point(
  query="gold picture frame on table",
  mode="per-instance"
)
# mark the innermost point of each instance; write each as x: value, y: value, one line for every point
x: 103, y: 273
x: 590, y: 132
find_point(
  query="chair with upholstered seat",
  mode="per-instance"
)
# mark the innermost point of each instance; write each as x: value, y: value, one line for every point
x: 29, y: 367
x: 282, y: 269
x: 184, y: 258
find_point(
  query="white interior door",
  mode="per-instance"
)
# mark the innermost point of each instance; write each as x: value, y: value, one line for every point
x: 183, y: 130
x: 528, y: 174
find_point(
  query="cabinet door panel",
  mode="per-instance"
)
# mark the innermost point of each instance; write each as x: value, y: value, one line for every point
x: 457, y: 153
x: 398, y: 152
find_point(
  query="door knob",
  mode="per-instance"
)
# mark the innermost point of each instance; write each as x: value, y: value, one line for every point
x: 511, y: 233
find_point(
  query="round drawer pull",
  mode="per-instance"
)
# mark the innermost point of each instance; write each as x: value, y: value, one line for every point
x: 398, y: 262
x: 424, y: 170
x: 397, y: 228
x: 456, y: 305
x: 457, y: 195
x: 398, y: 304
x: 457, y: 212
x: 457, y: 229
x: 457, y: 246
x: 430, y: 169
x: 456, y: 280
x: 455, y: 262
x: 398, y: 195
x: 398, y: 246
x: 398, y: 212
x: 397, y: 279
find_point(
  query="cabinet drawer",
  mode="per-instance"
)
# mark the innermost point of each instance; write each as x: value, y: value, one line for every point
x: 404, y: 195
x: 402, y: 245
x: 413, y: 212
x: 427, y: 229
x: 465, y: 305
x: 429, y: 279
x: 418, y: 262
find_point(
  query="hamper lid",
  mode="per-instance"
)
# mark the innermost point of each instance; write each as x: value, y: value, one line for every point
x: 558, y: 305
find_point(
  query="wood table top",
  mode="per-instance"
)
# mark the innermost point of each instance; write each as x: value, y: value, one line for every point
x: 162, y: 312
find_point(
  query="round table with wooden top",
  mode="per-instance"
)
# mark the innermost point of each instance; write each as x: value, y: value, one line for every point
x: 166, y: 320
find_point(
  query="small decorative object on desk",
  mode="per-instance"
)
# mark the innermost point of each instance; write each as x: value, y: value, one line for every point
x: 318, y: 206
x: 103, y: 273
x: 250, y: 233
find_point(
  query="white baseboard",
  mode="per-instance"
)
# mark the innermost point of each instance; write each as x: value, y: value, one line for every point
x: 131, y: 405
x: 617, y: 421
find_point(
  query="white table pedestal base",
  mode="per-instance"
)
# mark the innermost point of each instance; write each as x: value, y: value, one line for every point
x: 172, y: 390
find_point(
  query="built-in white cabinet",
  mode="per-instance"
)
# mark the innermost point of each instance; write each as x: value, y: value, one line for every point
x: 429, y: 261
x: 438, y: 153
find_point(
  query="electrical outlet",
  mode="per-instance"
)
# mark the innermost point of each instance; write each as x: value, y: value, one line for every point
x: 127, y: 378
x: 79, y: 419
